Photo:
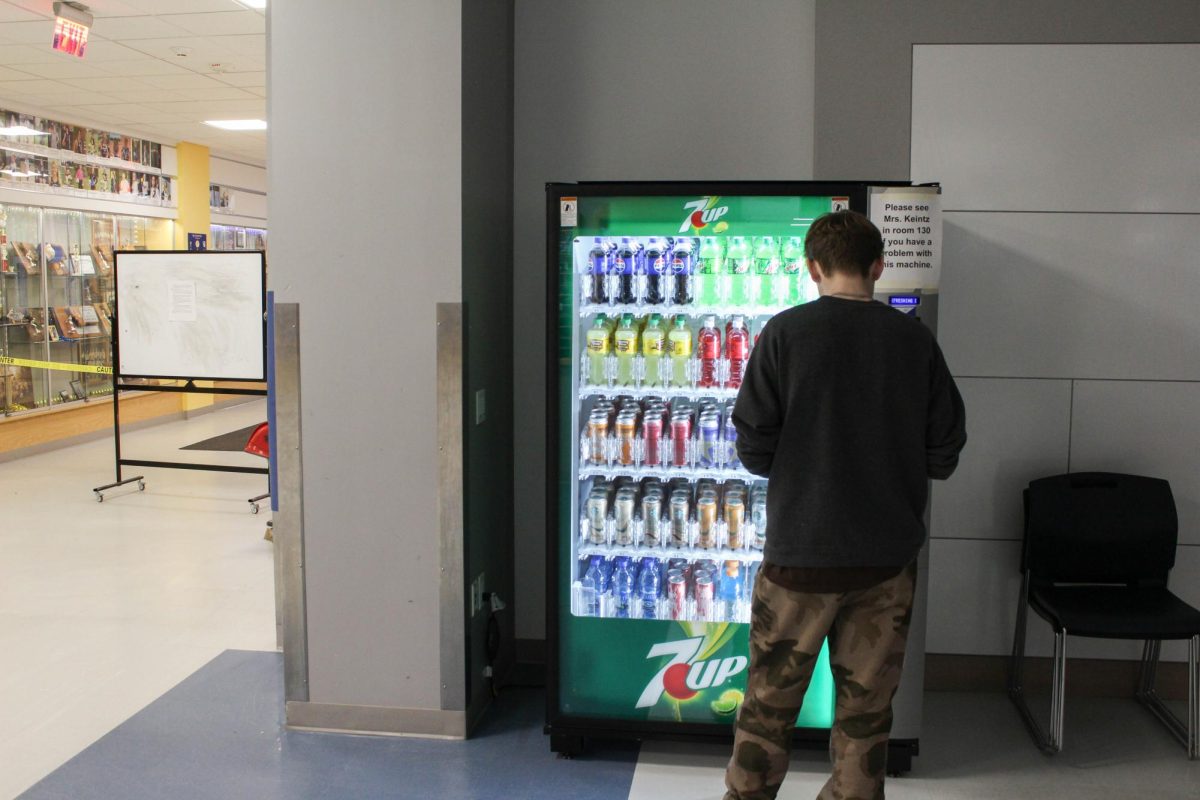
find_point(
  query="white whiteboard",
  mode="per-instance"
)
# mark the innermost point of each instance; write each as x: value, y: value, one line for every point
x: 190, y: 315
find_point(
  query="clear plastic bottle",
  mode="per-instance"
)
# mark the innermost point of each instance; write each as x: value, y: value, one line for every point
x: 795, y: 270
x: 680, y: 339
x: 622, y: 587
x: 656, y: 269
x: 766, y: 267
x: 708, y: 272
x: 592, y: 580
x: 624, y: 266
x: 737, y: 350
x: 625, y: 342
x: 738, y: 266
x: 599, y: 345
x: 654, y: 347
x: 649, y: 582
x: 709, y: 345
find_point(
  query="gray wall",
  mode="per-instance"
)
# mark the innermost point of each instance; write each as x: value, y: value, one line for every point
x: 1070, y: 276
x: 365, y: 158
x: 635, y: 90
x: 487, y: 180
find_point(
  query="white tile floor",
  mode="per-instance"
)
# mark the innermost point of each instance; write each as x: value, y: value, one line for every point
x: 973, y: 746
x: 103, y: 607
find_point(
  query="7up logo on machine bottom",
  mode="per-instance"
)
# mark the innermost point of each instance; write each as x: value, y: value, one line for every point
x: 692, y: 669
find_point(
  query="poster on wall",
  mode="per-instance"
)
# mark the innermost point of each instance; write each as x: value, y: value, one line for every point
x: 910, y: 219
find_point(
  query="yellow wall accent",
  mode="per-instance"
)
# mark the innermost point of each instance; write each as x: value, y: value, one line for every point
x: 194, y: 217
x: 192, y: 192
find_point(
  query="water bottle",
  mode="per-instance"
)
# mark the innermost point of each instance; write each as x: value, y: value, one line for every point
x: 622, y: 587
x: 648, y: 584
x: 593, y: 579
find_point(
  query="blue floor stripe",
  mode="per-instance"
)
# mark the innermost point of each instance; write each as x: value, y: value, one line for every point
x: 219, y: 734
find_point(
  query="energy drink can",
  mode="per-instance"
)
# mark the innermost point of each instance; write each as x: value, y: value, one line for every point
x: 731, y: 454
x: 623, y: 512
x: 676, y: 594
x: 680, y: 502
x: 597, y: 431
x: 710, y: 439
x: 597, y: 514
x: 626, y: 432
x: 681, y: 432
x: 706, y: 515
x: 652, y: 518
x: 735, y: 515
x: 758, y: 516
x: 704, y: 596
x: 652, y: 431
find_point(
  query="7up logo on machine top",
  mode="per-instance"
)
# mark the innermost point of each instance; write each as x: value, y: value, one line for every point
x: 695, y: 672
x: 702, y: 213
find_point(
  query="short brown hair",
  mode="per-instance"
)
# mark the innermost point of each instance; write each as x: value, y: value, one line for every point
x: 844, y: 241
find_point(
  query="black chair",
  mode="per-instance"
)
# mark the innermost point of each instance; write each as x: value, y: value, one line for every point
x: 1098, y: 548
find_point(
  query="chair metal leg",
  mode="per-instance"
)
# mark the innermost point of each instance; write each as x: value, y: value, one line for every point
x: 1188, y: 733
x: 1016, y: 691
x: 1058, y: 699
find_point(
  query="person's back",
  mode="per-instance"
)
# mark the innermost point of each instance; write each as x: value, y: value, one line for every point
x: 847, y: 408
x: 865, y: 419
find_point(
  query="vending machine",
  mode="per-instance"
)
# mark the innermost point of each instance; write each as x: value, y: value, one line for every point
x: 657, y: 292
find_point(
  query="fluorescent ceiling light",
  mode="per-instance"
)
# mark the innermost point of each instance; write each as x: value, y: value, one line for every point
x: 21, y: 130
x: 237, y: 124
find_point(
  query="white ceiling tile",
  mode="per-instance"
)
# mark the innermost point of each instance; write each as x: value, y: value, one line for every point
x: 36, y: 86
x: 12, y: 13
x: 61, y: 68
x: 183, y: 6
x: 25, y: 54
x: 100, y: 50
x: 253, y: 46
x: 37, y: 31
x: 188, y: 81
x: 98, y: 8
x: 17, y: 73
x: 120, y: 29
x: 257, y: 91
x: 221, y: 24
x: 144, y: 66
x: 242, y: 78
x: 105, y: 83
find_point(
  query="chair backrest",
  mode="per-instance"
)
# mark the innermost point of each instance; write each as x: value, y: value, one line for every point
x: 1099, y: 527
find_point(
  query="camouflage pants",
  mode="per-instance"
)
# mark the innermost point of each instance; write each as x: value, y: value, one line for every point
x: 867, y: 631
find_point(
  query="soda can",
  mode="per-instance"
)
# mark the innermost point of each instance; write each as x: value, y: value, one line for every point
x: 706, y: 514
x: 652, y: 519
x: 623, y: 512
x: 597, y: 514
x: 704, y: 596
x: 710, y: 439
x: 597, y: 431
x: 681, y: 432
x: 680, y: 502
x: 758, y: 516
x: 626, y: 431
x: 677, y: 594
x: 735, y: 515
x: 652, y: 431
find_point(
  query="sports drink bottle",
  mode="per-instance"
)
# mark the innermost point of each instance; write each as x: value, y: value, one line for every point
x: 737, y: 350
x: 709, y: 342
x: 625, y: 342
x: 599, y: 344
x: 680, y: 342
x: 654, y: 347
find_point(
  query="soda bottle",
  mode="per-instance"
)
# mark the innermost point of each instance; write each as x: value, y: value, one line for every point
x: 709, y: 271
x: 656, y: 271
x: 626, y: 344
x: 795, y: 270
x: 593, y: 580
x: 654, y: 347
x: 648, y: 587
x: 624, y: 267
x: 599, y: 344
x: 737, y: 350
x: 680, y: 339
x: 766, y: 267
x: 709, y: 345
x: 683, y: 269
x: 598, y: 269
x: 622, y: 586
x: 738, y: 263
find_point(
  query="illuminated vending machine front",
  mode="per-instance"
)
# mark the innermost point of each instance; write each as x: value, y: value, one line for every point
x: 658, y: 294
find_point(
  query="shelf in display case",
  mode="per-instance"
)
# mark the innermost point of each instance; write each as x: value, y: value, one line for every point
x: 638, y: 392
x: 724, y: 311
x: 664, y: 553
x: 614, y: 471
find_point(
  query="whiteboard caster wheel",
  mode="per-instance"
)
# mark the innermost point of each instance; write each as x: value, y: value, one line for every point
x: 99, y: 497
x: 141, y: 486
x: 254, y: 508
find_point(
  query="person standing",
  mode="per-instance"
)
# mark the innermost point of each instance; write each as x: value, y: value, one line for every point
x: 847, y: 408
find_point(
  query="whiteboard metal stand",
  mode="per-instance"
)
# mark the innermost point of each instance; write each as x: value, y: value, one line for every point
x: 188, y: 387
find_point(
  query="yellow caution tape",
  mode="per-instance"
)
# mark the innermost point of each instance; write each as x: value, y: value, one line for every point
x: 58, y: 365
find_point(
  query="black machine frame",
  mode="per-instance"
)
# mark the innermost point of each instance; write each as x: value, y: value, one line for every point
x: 569, y: 734
x: 188, y: 387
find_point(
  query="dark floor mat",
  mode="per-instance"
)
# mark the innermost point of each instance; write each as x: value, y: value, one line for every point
x: 232, y: 442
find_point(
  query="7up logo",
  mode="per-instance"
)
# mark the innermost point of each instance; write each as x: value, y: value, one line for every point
x: 702, y: 212
x: 685, y: 675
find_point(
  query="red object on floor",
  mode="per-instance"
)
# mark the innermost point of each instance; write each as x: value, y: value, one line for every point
x: 259, y: 443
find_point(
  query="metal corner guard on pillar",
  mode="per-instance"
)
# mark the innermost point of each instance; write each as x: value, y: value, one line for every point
x: 288, y: 527
x: 452, y: 604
